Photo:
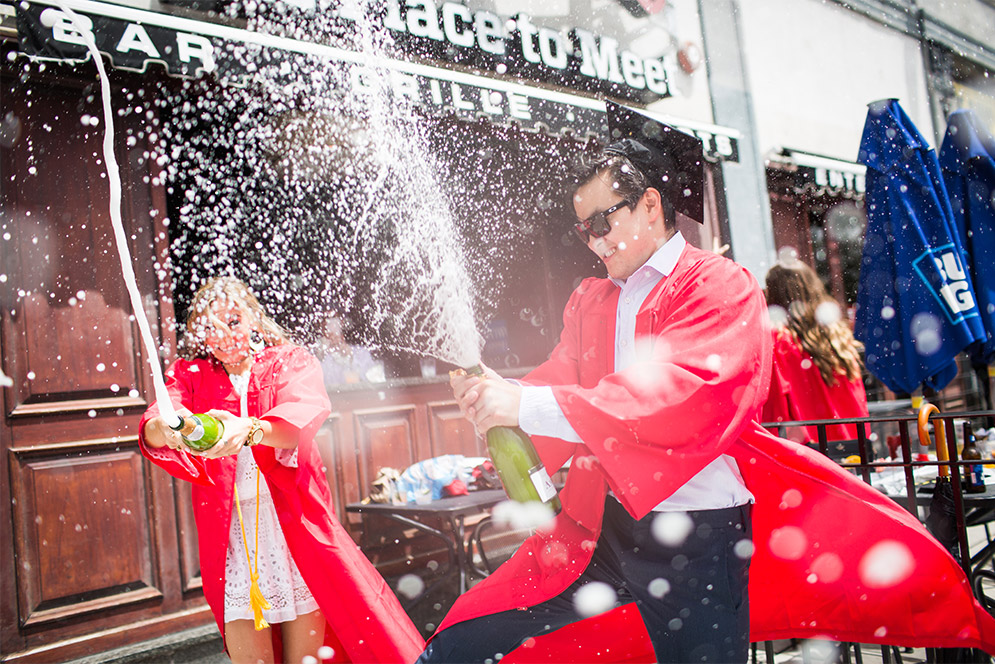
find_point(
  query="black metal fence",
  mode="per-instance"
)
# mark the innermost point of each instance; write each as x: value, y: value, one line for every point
x: 888, y: 455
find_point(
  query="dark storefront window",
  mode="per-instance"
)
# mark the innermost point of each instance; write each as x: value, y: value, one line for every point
x: 294, y: 229
x: 837, y: 229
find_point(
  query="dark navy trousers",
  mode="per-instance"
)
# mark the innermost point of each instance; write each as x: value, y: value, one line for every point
x: 692, y: 597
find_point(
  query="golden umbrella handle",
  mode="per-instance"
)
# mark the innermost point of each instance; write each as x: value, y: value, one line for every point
x: 925, y: 411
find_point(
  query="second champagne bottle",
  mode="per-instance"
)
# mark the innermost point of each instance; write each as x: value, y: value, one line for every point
x: 200, y: 431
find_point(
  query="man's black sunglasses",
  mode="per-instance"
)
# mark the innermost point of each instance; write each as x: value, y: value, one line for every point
x: 597, y: 225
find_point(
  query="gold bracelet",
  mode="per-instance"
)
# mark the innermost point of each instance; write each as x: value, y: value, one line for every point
x: 256, y: 432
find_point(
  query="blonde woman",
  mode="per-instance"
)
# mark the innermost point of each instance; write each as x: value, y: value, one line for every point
x: 817, y: 365
x: 261, y: 501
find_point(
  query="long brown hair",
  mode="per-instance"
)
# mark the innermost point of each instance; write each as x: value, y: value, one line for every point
x: 235, y: 291
x: 796, y: 288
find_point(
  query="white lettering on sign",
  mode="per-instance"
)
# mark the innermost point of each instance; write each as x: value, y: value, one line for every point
x: 956, y: 292
x: 552, y: 49
x: 198, y: 47
x: 392, y: 21
x: 63, y: 28
x: 423, y: 19
x: 136, y: 39
x: 845, y: 180
x: 528, y: 32
x: 457, y: 92
x: 458, y: 32
x: 723, y: 145
x: 656, y: 77
x: 518, y: 106
x: 436, y: 90
x: 487, y: 102
x: 189, y: 47
x: 632, y: 71
x: 598, y: 57
x: 468, y: 98
x: 490, y: 32
x: 404, y: 85
x: 574, y: 50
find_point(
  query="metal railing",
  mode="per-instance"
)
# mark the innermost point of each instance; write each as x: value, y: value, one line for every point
x: 897, y: 435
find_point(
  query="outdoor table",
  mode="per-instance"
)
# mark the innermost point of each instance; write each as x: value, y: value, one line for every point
x: 451, y: 512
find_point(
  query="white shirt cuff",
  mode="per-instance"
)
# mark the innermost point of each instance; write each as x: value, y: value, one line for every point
x: 540, y: 415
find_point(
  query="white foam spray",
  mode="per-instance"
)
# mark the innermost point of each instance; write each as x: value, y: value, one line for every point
x: 439, y: 309
x: 120, y: 238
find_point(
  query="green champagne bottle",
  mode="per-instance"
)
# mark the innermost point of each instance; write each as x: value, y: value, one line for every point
x: 514, y: 457
x: 200, y: 431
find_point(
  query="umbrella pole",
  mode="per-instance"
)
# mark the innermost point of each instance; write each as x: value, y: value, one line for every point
x: 955, y: 470
x: 946, y: 450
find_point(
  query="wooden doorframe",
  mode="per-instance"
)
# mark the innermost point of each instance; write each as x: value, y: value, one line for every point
x: 82, y: 577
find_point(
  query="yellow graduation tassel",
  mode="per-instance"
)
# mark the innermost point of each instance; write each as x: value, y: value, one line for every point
x: 258, y: 603
x: 256, y: 599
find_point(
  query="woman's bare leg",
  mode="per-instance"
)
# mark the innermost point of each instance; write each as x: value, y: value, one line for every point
x: 246, y: 645
x: 303, y: 636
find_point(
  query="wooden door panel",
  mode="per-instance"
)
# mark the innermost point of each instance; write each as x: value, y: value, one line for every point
x: 341, y: 470
x: 83, y: 537
x: 385, y: 438
x: 69, y: 333
x: 91, y: 528
x: 186, y: 533
x: 451, y: 432
x: 55, y: 335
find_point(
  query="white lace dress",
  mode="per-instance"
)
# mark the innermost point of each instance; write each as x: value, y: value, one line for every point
x: 279, y: 579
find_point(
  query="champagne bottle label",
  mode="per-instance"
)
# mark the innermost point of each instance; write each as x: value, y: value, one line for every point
x: 542, y: 482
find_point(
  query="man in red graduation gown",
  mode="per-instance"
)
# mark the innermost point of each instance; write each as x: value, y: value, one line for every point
x: 653, y: 391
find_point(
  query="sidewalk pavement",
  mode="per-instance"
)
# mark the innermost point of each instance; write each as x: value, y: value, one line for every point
x: 201, y: 645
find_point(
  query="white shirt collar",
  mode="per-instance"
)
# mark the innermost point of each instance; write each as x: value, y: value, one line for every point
x: 663, y: 260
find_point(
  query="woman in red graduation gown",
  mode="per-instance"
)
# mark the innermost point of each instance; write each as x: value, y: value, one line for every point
x: 817, y: 366
x: 260, y: 497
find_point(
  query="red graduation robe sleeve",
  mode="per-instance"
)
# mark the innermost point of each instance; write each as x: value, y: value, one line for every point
x: 183, y: 379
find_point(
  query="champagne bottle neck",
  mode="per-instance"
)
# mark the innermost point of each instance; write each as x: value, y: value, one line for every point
x: 186, y: 425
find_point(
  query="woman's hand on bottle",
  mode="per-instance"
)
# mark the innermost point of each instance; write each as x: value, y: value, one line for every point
x: 159, y: 434
x: 235, y: 437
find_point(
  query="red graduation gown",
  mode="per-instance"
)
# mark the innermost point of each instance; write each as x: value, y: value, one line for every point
x: 798, y: 392
x: 365, y: 622
x: 650, y: 428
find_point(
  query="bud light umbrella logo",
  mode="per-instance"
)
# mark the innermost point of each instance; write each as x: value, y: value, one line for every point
x: 942, y: 272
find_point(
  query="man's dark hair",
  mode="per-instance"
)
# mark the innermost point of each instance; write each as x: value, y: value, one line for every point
x: 629, y: 181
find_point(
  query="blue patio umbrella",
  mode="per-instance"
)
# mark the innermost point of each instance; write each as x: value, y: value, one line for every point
x: 916, y: 308
x: 967, y: 157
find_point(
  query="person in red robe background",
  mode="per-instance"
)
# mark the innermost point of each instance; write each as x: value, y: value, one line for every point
x: 659, y: 375
x: 817, y: 366
x: 280, y: 532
